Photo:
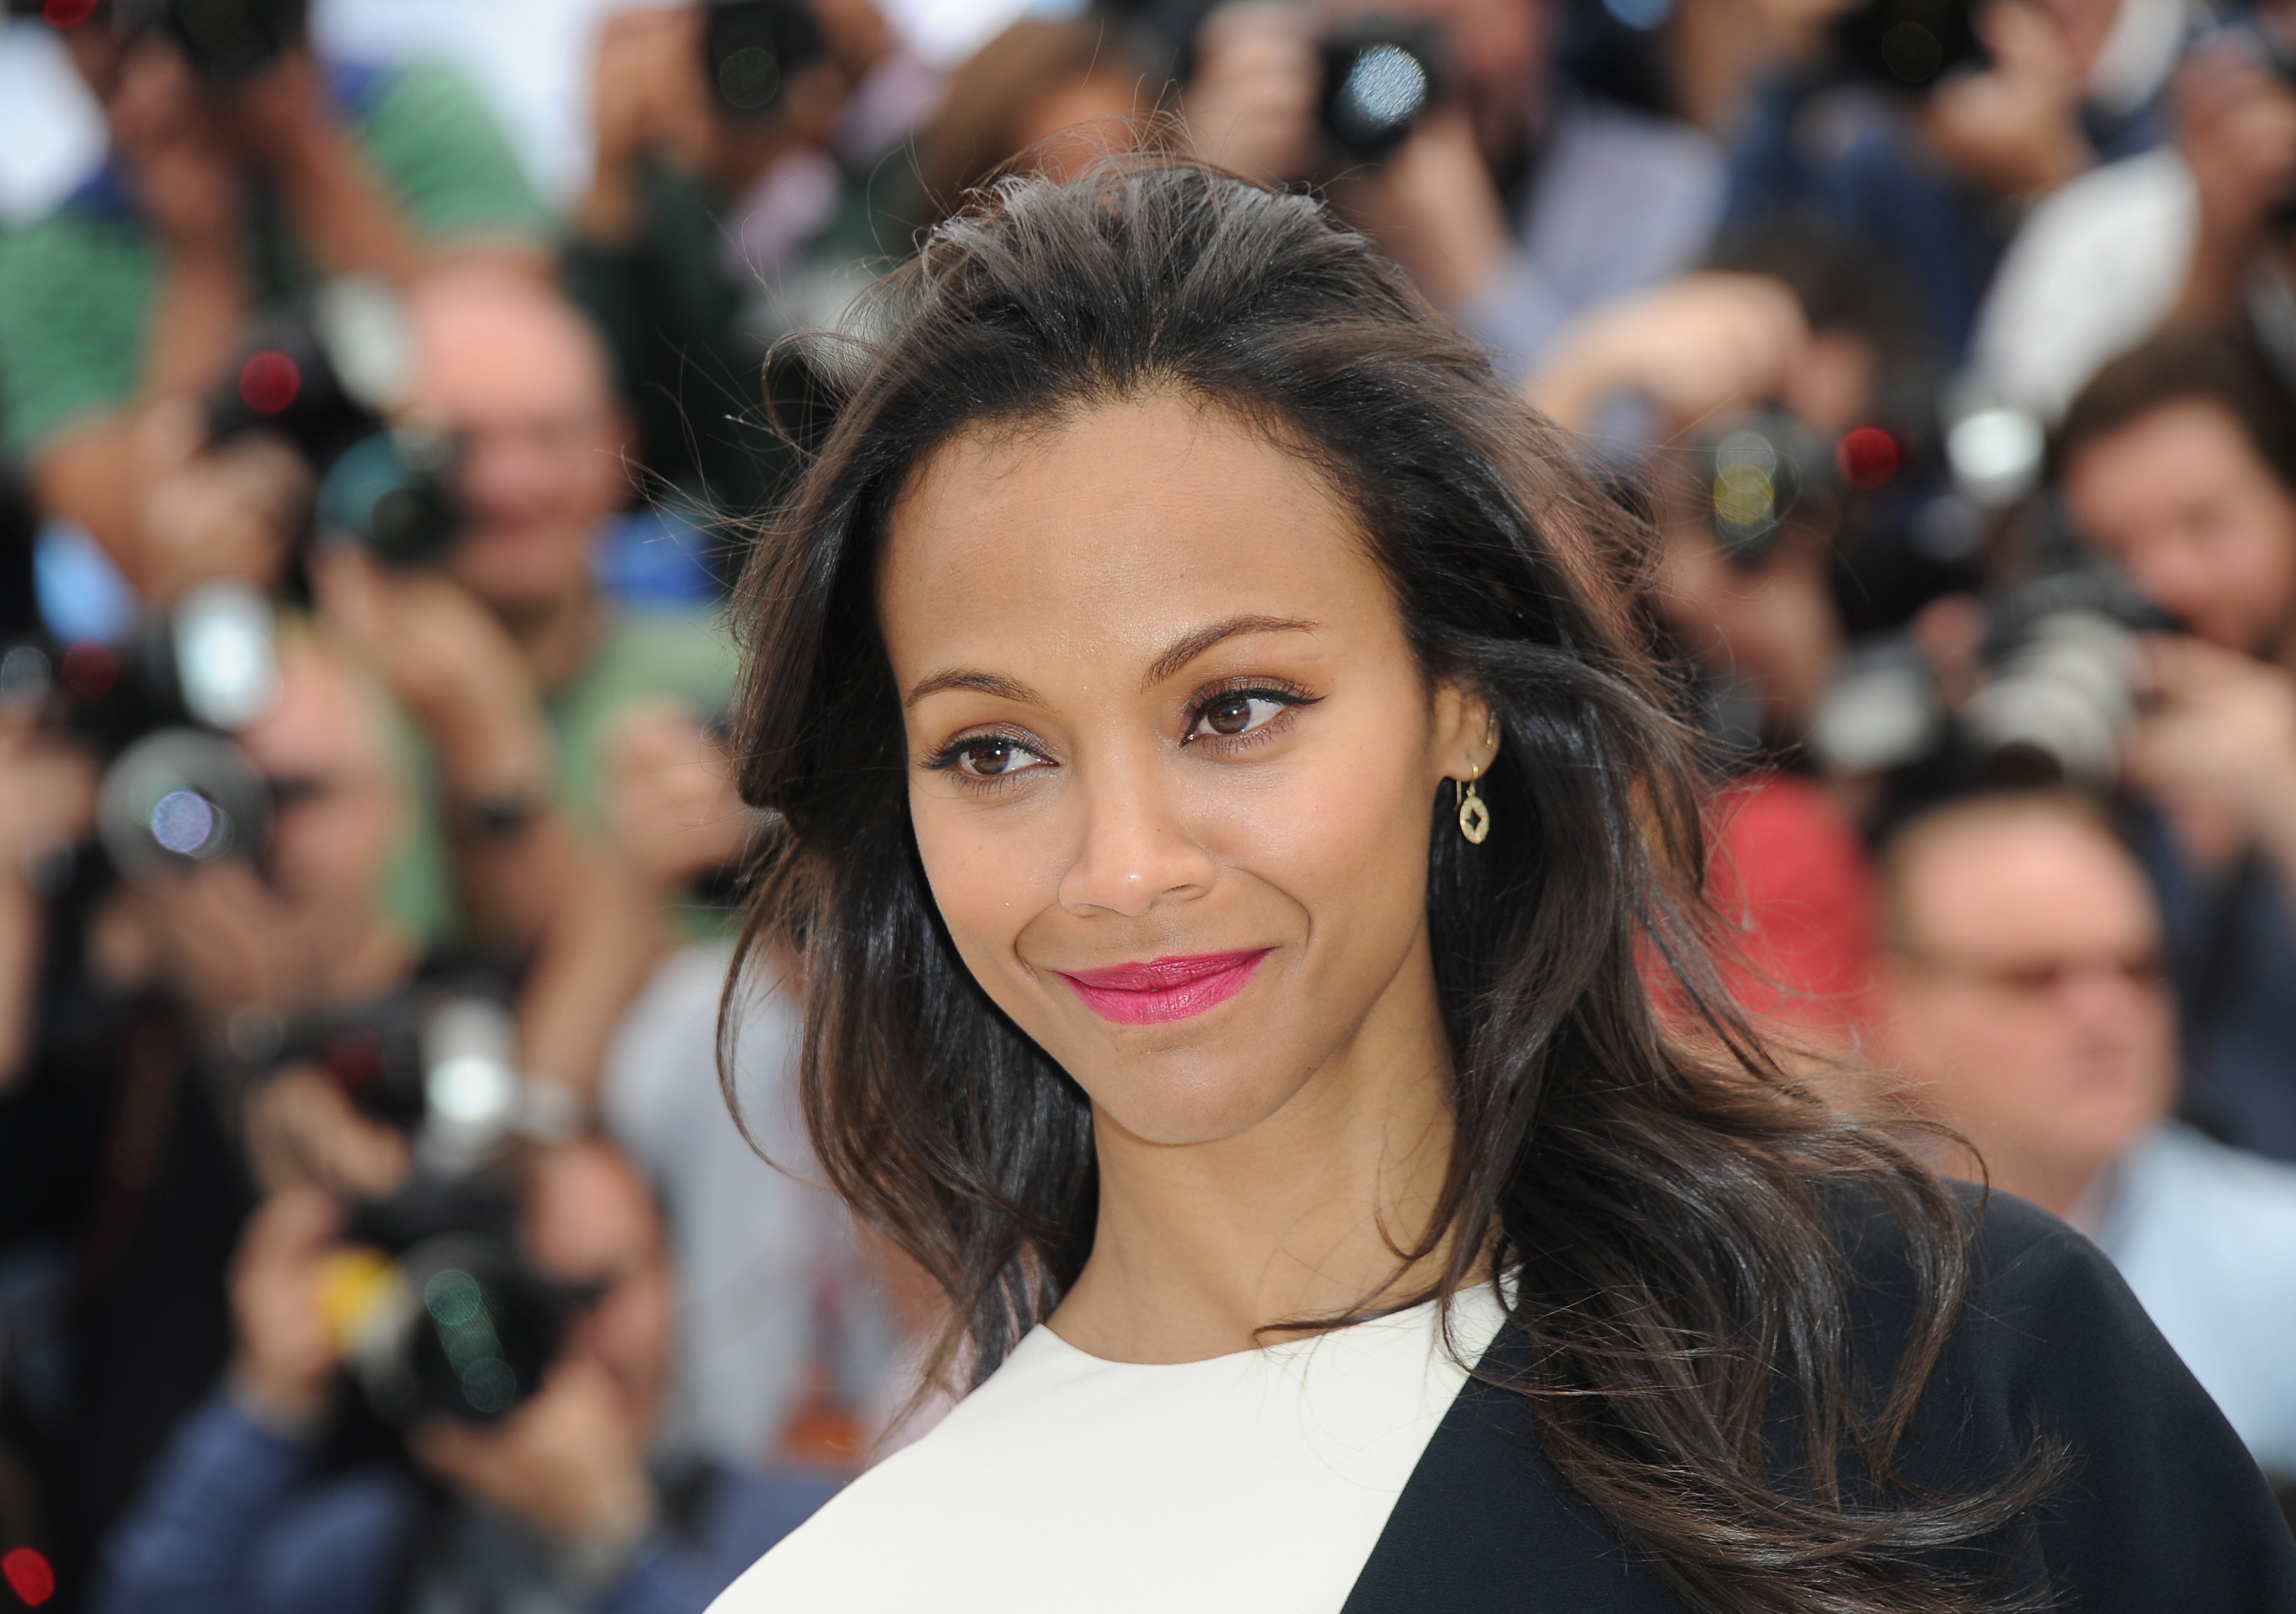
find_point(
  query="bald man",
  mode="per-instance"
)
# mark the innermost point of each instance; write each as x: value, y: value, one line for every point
x: 508, y: 654
x: 2021, y: 997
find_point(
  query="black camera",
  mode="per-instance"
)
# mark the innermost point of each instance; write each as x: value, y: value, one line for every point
x: 159, y: 707
x: 1908, y: 44
x: 227, y: 42
x: 1755, y: 470
x: 434, y: 1307
x: 752, y: 49
x: 2058, y: 688
x: 1379, y: 75
x: 330, y: 377
x: 437, y: 1310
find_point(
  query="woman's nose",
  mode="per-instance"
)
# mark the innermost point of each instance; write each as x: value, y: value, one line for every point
x: 1136, y: 848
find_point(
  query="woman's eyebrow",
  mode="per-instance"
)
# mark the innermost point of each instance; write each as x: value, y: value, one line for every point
x: 1189, y: 646
x: 966, y: 677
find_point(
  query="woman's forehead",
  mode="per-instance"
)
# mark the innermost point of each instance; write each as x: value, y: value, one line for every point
x: 1112, y: 531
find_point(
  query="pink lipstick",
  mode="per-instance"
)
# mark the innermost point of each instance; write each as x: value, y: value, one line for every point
x: 1163, y: 989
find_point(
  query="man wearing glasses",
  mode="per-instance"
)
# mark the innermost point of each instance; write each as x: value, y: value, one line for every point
x: 2022, y: 997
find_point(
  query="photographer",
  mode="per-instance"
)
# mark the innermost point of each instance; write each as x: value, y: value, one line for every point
x: 1514, y: 201
x: 2178, y: 462
x: 505, y: 650
x: 187, y: 978
x: 238, y: 173
x: 1921, y: 161
x: 720, y: 188
x: 554, y: 1507
x: 2195, y: 233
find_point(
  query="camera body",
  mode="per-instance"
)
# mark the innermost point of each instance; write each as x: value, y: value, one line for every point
x: 752, y: 49
x: 1381, y: 73
x: 436, y: 1311
x: 1908, y: 44
x: 227, y: 43
x: 159, y: 709
x: 1755, y: 470
x: 330, y: 377
x: 432, y: 1305
x: 2058, y: 689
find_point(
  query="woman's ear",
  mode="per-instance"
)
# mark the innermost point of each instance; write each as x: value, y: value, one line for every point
x: 1466, y: 731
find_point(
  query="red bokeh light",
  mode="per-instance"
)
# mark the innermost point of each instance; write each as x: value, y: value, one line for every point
x: 269, y: 382
x: 67, y: 13
x: 89, y: 671
x: 29, y: 1576
x: 1868, y: 457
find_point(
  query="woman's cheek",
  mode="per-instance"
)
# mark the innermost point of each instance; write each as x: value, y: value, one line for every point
x: 988, y: 873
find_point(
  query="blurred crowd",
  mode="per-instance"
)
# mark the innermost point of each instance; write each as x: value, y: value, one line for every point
x: 379, y: 437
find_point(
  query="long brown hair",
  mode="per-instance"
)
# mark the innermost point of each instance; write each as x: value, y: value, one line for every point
x: 1669, y: 1201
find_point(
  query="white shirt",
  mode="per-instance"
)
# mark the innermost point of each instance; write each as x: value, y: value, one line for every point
x: 2206, y: 1237
x: 772, y: 1284
x: 2094, y: 270
x: 1257, y: 1482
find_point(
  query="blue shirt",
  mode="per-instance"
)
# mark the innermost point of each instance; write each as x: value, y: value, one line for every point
x: 2206, y: 1237
x: 231, y: 1522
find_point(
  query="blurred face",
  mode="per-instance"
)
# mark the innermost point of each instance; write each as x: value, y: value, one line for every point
x: 1171, y: 762
x: 510, y: 366
x: 1074, y: 124
x: 2031, y: 1011
x: 338, y: 805
x: 2183, y: 501
x: 591, y: 1219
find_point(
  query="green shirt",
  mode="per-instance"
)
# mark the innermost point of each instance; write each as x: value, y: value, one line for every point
x: 78, y: 287
x: 687, y: 656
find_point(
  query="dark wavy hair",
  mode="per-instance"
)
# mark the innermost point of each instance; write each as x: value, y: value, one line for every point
x: 1667, y: 1196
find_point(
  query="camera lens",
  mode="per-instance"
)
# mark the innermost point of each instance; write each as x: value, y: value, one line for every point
x: 1379, y: 78
x: 178, y: 798
x: 226, y: 667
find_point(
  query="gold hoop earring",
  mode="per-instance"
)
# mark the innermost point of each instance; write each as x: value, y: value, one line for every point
x: 1474, y: 814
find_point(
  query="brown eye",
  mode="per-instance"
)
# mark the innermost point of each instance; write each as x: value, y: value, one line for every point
x: 993, y: 756
x: 1229, y: 717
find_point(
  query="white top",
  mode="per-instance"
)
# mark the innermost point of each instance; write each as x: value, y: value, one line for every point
x: 1255, y: 1482
x: 2094, y: 270
x: 2206, y: 1237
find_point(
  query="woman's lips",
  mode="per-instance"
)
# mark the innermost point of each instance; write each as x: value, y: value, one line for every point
x: 1163, y: 988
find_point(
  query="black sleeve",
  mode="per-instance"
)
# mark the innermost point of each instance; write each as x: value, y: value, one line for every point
x: 2161, y: 1508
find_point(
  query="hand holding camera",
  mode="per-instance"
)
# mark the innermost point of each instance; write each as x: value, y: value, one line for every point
x: 1690, y: 347
x: 283, y: 1373
x: 2012, y: 128
x: 569, y: 1463
x: 2235, y: 120
x: 2218, y: 742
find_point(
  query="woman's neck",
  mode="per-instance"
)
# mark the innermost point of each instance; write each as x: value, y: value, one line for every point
x: 1199, y: 1248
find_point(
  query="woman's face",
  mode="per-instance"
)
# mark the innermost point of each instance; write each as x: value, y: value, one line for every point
x: 1171, y: 763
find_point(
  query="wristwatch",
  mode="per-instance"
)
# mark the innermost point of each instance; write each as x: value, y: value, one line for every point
x: 502, y: 815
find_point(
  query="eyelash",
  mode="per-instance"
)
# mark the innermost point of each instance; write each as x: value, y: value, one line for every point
x: 1290, y: 697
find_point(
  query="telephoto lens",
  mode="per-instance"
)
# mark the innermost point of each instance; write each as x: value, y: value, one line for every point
x: 1379, y: 75
x: 436, y: 1310
x: 1756, y: 470
x: 752, y: 49
x: 393, y: 494
x: 1908, y: 44
x: 180, y: 793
